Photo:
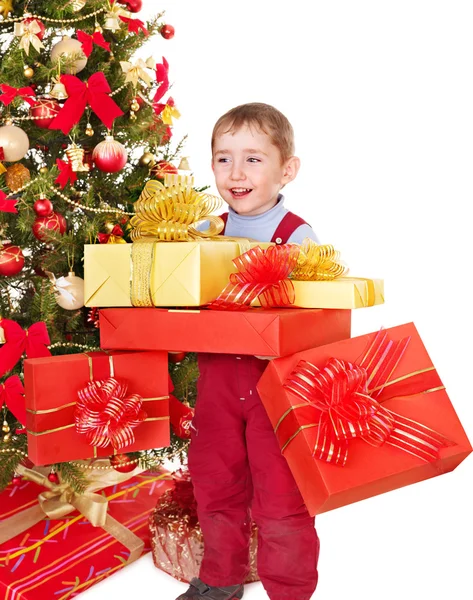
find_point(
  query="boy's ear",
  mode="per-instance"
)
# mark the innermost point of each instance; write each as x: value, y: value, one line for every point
x: 291, y: 168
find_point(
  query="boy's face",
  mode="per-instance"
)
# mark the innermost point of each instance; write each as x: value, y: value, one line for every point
x: 248, y: 170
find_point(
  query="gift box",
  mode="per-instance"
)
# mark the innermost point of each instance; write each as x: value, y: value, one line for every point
x: 176, y: 537
x: 66, y: 408
x: 159, y: 274
x: 362, y: 417
x: 60, y: 558
x: 258, y: 331
x: 344, y: 292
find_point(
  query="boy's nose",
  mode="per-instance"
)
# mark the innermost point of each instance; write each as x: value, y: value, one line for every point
x: 237, y: 172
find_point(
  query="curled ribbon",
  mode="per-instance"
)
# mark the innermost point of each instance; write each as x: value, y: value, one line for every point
x: 28, y: 33
x: 340, y: 400
x: 88, y: 41
x: 12, y: 394
x: 137, y: 71
x: 9, y: 93
x: 94, y: 93
x: 261, y: 274
x: 34, y: 342
x: 172, y: 213
x: 106, y: 415
x: 318, y: 263
x: 60, y: 500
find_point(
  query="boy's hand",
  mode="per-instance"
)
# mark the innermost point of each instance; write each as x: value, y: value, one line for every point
x: 265, y: 357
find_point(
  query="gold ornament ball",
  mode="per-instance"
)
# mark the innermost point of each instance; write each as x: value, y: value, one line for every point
x: 28, y: 72
x: 132, y: 116
x: 43, y: 170
x: 67, y: 48
x: 147, y: 160
x: 89, y: 131
x: 16, y: 176
x: 72, y: 297
x: 135, y: 106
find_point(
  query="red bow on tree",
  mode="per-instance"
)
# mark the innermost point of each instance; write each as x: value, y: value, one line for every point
x: 103, y: 238
x: 12, y: 394
x: 7, y: 205
x: 10, y: 93
x: 94, y: 93
x: 88, y: 41
x: 162, y: 71
x: 180, y: 417
x: 66, y: 173
x: 134, y: 25
x: 34, y: 342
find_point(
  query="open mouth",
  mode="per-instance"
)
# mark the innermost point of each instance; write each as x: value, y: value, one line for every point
x: 240, y: 192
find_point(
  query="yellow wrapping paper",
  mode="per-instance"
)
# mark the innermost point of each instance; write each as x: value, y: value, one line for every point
x: 344, y: 292
x: 182, y: 273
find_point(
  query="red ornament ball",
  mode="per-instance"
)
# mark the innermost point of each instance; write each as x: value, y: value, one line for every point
x: 109, y: 156
x: 55, y: 222
x: 53, y: 477
x: 11, y: 260
x: 43, y: 207
x: 16, y: 480
x: 44, y: 111
x: 134, y: 6
x: 167, y: 31
x: 176, y: 357
x: 161, y: 168
x: 42, y: 28
x: 122, y: 463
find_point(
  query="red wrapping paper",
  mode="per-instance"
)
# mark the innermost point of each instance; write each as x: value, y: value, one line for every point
x: 368, y: 470
x: 60, y: 559
x: 51, y: 387
x: 257, y: 331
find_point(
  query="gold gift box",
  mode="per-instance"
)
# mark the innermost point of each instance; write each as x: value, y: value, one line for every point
x: 182, y: 273
x: 344, y: 292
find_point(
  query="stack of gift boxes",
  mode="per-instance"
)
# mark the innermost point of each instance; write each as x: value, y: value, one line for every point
x: 354, y: 417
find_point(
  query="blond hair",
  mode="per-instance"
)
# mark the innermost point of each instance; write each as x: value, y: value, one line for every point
x: 265, y: 118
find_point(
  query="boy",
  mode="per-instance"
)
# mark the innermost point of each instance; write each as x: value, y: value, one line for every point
x: 234, y: 459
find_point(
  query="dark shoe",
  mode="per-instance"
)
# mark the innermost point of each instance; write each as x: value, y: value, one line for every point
x: 198, y: 590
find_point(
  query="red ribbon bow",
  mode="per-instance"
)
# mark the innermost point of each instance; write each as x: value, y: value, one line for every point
x: 162, y: 71
x: 94, y: 93
x: 261, y: 274
x: 34, y: 342
x: 106, y: 415
x: 103, y: 238
x: 66, y: 174
x: 341, y: 403
x: 88, y: 41
x: 134, y: 25
x: 12, y: 394
x: 10, y: 93
x: 180, y: 417
x: 7, y: 205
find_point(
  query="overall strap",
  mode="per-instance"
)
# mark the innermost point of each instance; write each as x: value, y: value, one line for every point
x: 224, y: 218
x: 289, y: 223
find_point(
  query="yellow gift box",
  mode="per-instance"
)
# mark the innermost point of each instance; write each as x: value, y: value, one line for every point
x: 344, y: 292
x: 180, y: 273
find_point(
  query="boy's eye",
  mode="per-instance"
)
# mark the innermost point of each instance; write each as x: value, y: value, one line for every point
x: 252, y: 159
x: 223, y: 160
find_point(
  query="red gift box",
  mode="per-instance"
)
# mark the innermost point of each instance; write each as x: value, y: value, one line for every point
x: 257, y: 331
x: 399, y: 424
x: 62, y: 558
x: 51, y: 392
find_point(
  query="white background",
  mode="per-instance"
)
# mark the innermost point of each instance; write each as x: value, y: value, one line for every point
x: 380, y: 95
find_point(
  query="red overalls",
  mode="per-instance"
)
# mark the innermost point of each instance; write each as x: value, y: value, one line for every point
x: 239, y: 474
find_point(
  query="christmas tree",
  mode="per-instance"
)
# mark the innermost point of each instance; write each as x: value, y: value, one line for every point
x: 76, y: 107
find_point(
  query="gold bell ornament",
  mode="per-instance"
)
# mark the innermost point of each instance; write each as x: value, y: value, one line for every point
x: 76, y: 155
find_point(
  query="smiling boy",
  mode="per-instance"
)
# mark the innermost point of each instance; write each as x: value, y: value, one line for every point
x: 236, y: 465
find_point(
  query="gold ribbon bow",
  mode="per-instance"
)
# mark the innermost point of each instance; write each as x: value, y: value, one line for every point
x: 137, y: 71
x: 318, y: 263
x: 27, y: 32
x: 172, y: 213
x: 112, y: 18
x: 169, y: 112
x: 60, y: 500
